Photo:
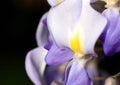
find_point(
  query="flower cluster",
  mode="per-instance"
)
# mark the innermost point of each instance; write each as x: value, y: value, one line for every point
x: 66, y: 38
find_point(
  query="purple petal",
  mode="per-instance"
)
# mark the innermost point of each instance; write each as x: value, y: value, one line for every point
x: 58, y: 55
x: 35, y: 65
x: 54, y: 73
x: 111, y: 34
x: 49, y: 45
x: 76, y: 74
x: 42, y: 33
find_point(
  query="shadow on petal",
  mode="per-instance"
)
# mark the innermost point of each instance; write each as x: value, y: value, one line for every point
x: 35, y: 65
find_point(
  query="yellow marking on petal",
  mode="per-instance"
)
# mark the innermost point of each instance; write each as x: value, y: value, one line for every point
x: 75, y: 42
x: 110, y: 3
x: 59, y: 1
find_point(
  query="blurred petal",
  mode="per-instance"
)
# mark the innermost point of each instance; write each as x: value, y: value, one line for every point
x: 55, y: 73
x: 42, y: 32
x: 35, y: 65
x: 111, y: 34
x: 76, y: 74
x: 91, y: 68
x: 58, y: 55
x: 91, y: 24
x: 62, y: 18
x: 54, y: 2
x: 112, y: 81
x: 95, y: 1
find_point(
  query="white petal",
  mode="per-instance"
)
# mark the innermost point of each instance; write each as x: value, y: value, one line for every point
x: 61, y: 20
x: 42, y: 32
x: 91, y: 24
x: 35, y: 65
x: 111, y: 81
x: 54, y: 2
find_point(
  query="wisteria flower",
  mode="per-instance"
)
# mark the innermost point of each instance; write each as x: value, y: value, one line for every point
x: 35, y: 64
x: 111, y: 34
x: 72, y: 26
x: 81, y: 72
x: 66, y: 33
x: 39, y: 72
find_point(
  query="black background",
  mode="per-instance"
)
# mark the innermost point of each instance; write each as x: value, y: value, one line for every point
x: 19, y: 20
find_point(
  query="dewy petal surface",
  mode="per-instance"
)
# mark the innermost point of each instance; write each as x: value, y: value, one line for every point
x: 76, y: 74
x: 61, y: 20
x: 91, y: 24
x: 35, y: 65
x: 111, y: 34
x: 42, y: 31
x: 57, y: 55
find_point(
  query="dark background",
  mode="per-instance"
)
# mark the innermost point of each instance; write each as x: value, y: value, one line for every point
x: 19, y: 20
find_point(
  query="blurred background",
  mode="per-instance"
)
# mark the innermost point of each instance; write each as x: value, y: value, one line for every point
x: 19, y: 21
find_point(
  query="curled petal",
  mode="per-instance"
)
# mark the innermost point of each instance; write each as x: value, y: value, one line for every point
x: 35, y: 65
x: 42, y: 32
x: 111, y: 34
x: 58, y: 55
x: 76, y: 74
x: 62, y: 18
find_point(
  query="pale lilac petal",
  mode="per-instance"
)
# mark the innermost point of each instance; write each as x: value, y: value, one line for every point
x: 35, y: 65
x: 91, y: 24
x: 58, y: 55
x: 76, y: 74
x: 111, y: 35
x: 42, y: 32
x: 62, y: 18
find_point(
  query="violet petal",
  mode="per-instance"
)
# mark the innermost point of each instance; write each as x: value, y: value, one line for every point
x: 112, y: 32
x: 58, y: 55
x: 76, y: 74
